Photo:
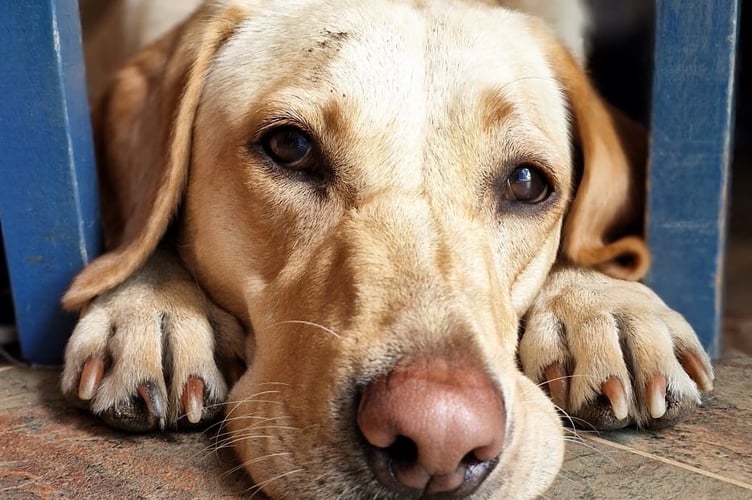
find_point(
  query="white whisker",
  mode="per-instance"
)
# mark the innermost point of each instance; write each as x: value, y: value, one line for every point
x: 254, y: 461
x: 309, y: 323
x: 260, y: 486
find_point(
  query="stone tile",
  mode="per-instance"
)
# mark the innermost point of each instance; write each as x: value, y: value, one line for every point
x: 708, y: 455
x: 716, y: 438
x: 597, y: 471
x: 50, y: 450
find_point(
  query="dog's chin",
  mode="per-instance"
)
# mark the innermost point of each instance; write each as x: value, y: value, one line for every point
x: 288, y: 456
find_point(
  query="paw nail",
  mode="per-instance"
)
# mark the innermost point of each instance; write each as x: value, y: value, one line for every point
x: 656, y: 394
x: 558, y: 385
x: 193, y: 399
x: 153, y: 399
x: 91, y: 376
x: 696, y: 369
x: 614, y: 391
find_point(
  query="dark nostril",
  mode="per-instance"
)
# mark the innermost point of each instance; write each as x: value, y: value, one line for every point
x: 397, y: 469
x: 404, y: 450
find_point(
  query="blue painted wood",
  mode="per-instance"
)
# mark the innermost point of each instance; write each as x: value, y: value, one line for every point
x: 691, y: 135
x: 48, y: 191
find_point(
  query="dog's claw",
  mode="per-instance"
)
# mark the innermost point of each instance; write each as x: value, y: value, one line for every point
x: 692, y: 364
x: 656, y: 396
x: 613, y: 389
x: 558, y: 385
x: 193, y: 399
x: 91, y: 376
x: 154, y: 400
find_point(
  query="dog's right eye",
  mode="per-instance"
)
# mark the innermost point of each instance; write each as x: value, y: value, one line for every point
x: 528, y: 185
x: 289, y: 147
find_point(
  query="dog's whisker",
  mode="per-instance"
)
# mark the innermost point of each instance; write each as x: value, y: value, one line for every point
x: 575, y: 434
x: 255, y: 461
x: 281, y: 427
x: 595, y: 449
x: 250, y: 400
x: 258, y: 418
x: 248, y: 433
x: 310, y: 323
x: 260, y: 424
x: 566, y: 415
x: 236, y: 403
x: 285, y: 384
x: 572, y: 419
x: 227, y: 437
x: 217, y: 426
x: 220, y: 441
x: 230, y: 401
x: 564, y: 377
x: 221, y: 426
x: 255, y: 490
x: 229, y: 416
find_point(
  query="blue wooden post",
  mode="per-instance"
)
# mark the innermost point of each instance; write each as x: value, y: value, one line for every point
x: 48, y: 191
x: 691, y: 135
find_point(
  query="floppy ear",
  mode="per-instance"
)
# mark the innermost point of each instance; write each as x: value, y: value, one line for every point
x: 143, y: 133
x: 604, y: 226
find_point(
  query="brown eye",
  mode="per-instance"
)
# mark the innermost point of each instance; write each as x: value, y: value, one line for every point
x: 528, y: 185
x: 288, y: 147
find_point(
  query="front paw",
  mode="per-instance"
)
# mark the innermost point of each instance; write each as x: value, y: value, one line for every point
x: 142, y: 355
x: 611, y: 353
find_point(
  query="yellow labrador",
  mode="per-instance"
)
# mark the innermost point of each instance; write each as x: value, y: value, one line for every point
x: 407, y: 219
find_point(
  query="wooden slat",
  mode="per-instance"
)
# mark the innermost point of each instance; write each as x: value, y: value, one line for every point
x: 48, y: 192
x: 692, y: 121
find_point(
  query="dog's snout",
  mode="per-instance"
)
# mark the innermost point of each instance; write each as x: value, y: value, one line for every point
x: 433, y: 426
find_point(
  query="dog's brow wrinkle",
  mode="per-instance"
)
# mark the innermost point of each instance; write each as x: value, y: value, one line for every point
x: 495, y: 108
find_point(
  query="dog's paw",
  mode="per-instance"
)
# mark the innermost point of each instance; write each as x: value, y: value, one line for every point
x: 142, y: 356
x: 611, y: 353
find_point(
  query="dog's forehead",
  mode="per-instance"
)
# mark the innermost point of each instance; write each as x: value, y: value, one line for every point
x: 399, y: 69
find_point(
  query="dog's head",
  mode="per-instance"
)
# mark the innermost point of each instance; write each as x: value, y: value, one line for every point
x: 377, y: 190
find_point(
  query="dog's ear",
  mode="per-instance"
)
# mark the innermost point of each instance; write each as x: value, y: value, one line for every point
x: 143, y: 130
x: 604, y: 226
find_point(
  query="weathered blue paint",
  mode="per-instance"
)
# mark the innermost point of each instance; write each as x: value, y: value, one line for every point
x: 48, y: 192
x: 691, y: 134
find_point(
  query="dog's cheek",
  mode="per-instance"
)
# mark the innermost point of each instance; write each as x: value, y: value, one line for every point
x: 535, y: 447
x: 260, y: 451
x: 534, y: 273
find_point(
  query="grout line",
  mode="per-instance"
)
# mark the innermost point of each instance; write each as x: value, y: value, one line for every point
x: 668, y: 461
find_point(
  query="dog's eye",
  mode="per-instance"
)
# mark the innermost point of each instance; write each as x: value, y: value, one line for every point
x: 527, y: 184
x: 288, y: 147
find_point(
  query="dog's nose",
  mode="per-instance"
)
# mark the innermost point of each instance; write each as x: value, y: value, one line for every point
x: 433, y: 427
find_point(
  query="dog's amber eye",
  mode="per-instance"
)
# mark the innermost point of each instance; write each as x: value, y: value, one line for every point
x: 289, y: 147
x: 528, y: 184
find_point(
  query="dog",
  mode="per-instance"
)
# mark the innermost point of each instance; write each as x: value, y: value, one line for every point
x: 388, y: 238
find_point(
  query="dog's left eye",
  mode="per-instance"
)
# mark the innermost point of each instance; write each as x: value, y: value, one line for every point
x: 527, y: 184
x: 288, y: 147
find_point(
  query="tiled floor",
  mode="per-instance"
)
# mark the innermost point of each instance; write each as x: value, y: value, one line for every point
x: 50, y: 450
x: 708, y: 456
